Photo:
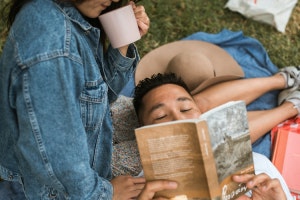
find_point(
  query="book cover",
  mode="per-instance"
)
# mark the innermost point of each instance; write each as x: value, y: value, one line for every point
x: 200, y: 154
x: 286, y: 158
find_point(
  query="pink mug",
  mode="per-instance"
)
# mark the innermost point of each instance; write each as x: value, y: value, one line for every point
x: 120, y: 26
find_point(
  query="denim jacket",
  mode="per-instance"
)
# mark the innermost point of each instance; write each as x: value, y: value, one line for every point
x: 56, y: 85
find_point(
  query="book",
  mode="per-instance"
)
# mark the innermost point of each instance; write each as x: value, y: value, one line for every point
x: 286, y: 158
x: 201, y: 155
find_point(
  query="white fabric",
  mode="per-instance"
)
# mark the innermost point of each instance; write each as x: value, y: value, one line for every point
x: 263, y: 165
x: 273, y: 12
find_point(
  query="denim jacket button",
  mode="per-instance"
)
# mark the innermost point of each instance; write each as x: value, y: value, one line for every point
x: 52, y: 194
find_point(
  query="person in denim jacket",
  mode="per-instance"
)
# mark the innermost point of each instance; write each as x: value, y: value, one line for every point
x: 57, y: 80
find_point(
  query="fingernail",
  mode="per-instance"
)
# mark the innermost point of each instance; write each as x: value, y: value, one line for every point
x: 250, y: 183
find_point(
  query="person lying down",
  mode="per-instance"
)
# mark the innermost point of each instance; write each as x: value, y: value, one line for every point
x: 126, y: 157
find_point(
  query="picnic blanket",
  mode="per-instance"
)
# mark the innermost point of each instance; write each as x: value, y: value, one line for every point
x: 255, y: 62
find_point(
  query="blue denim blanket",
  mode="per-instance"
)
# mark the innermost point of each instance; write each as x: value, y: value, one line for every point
x: 253, y: 58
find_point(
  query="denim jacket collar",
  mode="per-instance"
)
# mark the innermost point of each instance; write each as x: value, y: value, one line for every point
x: 74, y: 15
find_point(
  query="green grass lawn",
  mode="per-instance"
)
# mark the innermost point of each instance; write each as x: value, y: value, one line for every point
x: 175, y: 19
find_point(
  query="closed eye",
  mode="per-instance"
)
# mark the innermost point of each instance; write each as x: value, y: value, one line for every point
x: 186, y: 110
x: 160, y: 117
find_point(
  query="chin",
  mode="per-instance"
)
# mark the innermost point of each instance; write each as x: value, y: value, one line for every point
x: 93, y: 16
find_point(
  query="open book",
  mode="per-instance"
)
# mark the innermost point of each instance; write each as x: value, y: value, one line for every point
x: 200, y: 154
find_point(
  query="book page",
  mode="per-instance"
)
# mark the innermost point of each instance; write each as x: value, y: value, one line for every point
x: 173, y: 153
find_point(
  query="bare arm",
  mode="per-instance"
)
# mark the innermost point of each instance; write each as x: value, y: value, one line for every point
x: 243, y: 89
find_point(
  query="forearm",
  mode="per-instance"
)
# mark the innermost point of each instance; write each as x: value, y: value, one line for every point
x: 243, y: 89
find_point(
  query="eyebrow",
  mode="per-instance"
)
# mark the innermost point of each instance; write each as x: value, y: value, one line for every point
x: 179, y: 99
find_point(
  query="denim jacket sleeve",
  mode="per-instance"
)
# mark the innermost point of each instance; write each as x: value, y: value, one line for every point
x: 120, y: 69
x: 52, y: 144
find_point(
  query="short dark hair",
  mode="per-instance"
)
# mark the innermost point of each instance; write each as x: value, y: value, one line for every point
x: 156, y: 80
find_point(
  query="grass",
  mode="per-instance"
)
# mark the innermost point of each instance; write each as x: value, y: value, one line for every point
x: 173, y: 20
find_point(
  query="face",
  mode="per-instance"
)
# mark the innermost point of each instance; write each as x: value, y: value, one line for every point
x: 93, y: 8
x: 168, y: 102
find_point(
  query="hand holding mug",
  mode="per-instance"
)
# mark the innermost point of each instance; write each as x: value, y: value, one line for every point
x: 125, y: 25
